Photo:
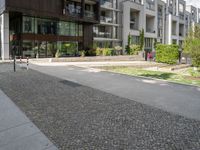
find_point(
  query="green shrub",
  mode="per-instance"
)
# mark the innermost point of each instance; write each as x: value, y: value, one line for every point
x: 195, y: 52
x: 82, y: 53
x: 134, y: 49
x: 167, y: 53
x: 107, y: 51
x: 99, y: 51
x: 90, y: 52
x: 117, y: 50
x: 192, y: 45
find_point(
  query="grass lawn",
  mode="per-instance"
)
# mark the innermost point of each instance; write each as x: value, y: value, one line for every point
x: 192, y: 79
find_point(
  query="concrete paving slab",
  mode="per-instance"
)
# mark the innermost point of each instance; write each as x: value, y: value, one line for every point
x: 10, y: 115
x: 34, y: 142
x: 13, y: 134
x: 17, y: 132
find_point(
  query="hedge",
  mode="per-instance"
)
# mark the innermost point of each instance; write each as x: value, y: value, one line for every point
x: 167, y: 53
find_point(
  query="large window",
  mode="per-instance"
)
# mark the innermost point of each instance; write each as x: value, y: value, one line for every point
x: 47, y: 26
x: 66, y: 48
x: 64, y: 28
x: 70, y: 29
x: 28, y: 25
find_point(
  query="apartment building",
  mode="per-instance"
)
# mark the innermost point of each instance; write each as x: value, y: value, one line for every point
x: 163, y: 21
x: 175, y: 22
x: 42, y: 27
x: 143, y: 14
x: 108, y: 32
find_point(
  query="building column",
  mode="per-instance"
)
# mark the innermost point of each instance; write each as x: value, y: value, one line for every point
x: 169, y: 30
x: 5, y: 36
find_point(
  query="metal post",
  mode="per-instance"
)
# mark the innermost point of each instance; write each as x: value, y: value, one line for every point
x: 20, y: 59
x: 27, y: 63
x: 14, y: 63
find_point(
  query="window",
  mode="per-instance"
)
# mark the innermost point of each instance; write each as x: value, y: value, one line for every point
x: 80, y: 30
x: 28, y: 24
x: 45, y: 26
x: 64, y: 28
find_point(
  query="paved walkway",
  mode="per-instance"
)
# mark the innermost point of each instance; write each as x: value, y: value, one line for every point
x: 179, y: 99
x: 17, y: 132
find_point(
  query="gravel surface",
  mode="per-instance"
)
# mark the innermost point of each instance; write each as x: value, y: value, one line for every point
x: 78, y: 117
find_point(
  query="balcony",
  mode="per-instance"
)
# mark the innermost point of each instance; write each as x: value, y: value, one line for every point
x: 150, y: 5
x: 137, y: 1
x: 106, y: 19
x: 150, y: 31
x: 170, y: 9
x: 106, y: 3
x: 89, y: 14
x: 150, y: 24
x: 72, y: 10
x: 134, y: 19
x: 133, y: 26
x: 181, y: 15
x: 181, y: 30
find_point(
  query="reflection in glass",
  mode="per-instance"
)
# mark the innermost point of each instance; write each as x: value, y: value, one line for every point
x: 67, y: 49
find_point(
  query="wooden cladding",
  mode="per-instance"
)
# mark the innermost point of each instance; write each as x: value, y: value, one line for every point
x: 47, y: 8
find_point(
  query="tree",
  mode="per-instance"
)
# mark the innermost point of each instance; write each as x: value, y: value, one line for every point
x: 142, y: 40
x: 128, y: 47
x: 192, y: 45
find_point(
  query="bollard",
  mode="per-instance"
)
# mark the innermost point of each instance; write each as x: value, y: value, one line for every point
x: 27, y: 67
x: 14, y: 63
x: 20, y: 59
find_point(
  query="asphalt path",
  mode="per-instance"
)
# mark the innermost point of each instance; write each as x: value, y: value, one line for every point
x: 180, y: 99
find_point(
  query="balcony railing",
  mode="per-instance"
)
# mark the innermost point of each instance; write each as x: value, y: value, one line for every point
x: 133, y: 27
x: 106, y: 19
x: 71, y: 10
x: 150, y: 31
x: 103, y: 35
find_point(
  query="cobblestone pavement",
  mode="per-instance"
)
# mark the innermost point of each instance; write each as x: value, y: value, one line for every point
x: 73, y: 116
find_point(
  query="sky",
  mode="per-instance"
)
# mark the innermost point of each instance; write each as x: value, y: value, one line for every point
x: 193, y: 2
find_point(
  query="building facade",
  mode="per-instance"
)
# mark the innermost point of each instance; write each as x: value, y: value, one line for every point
x: 44, y: 28
x: 108, y: 32
x: 163, y: 21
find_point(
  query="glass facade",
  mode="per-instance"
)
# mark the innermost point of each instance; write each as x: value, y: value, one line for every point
x: 47, y: 26
x: 45, y: 49
x: 48, y: 47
